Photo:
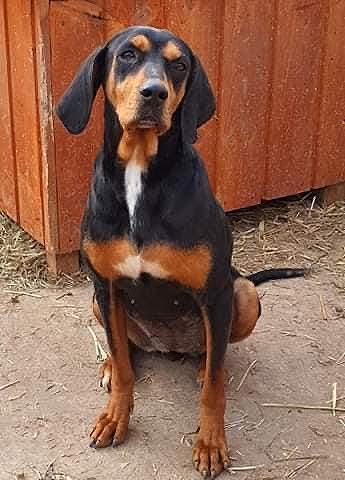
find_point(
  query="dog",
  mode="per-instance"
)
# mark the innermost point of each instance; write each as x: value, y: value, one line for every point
x: 156, y: 242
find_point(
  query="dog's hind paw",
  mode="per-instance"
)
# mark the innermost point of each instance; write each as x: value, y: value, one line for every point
x: 105, y: 375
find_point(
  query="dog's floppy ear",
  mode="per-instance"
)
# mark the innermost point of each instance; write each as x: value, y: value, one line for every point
x: 74, y: 108
x: 198, y: 104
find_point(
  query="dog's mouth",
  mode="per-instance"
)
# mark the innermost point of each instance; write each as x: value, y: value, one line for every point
x: 148, y: 124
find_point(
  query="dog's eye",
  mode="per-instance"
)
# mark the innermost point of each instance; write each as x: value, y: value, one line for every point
x: 128, y: 56
x: 180, y: 67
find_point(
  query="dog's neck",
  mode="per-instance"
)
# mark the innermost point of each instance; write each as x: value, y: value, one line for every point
x: 145, y: 147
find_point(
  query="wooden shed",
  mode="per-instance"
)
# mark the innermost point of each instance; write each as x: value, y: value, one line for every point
x: 277, y: 68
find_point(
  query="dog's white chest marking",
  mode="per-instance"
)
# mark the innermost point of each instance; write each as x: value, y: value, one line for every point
x: 134, y: 265
x: 133, y: 186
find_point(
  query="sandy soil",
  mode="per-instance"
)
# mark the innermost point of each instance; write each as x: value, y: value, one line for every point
x: 45, y: 418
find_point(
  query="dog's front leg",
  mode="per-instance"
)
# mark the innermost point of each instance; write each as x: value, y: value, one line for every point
x: 112, y: 424
x: 210, y: 452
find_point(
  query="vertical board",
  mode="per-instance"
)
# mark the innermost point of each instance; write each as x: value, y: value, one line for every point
x: 295, y: 91
x: 43, y: 68
x: 149, y: 12
x: 199, y: 24
x: 8, y: 200
x: 74, y: 34
x: 243, y: 103
x: 330, y: 162
x: 119, y: 15
x: 25, y: 115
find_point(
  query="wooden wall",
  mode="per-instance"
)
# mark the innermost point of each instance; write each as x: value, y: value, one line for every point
x: 20, y: 154
x: 277, y: 68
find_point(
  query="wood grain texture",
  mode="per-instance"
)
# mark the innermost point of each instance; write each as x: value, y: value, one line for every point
x: 150, y: 12
x: 199, y: 24
x: 243, y: 102
x: 119, y: 15
x: 74, y: 34
x: 25, y: 116
x: 295, y: 91
x: 330, y: 161
x: 45, y: 109
x: 8, y: 191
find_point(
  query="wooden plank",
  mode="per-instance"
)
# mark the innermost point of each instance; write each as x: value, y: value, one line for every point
x: 63, y: 262
x: 45, y: 107
x: 74, y: 34
x: 246, y: 61
x: 150, y: 12
x: 199, y: 24
x: 8, y: 193
x: 330, y: 161
x: 334, y: 193
x: 295, y: 91
x: 119, y: 15
x: 25, y: 118
x: 88, y: 7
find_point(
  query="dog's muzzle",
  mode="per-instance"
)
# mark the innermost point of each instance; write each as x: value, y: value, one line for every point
x: 153, y: 94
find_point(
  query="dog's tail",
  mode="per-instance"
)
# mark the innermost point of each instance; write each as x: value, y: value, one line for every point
x: 275, y: 274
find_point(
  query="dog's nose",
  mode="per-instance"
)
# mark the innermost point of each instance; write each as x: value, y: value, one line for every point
x: 154, y: 90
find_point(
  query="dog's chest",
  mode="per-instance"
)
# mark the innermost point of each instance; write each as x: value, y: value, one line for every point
x: 133, y: 188
x: 120, y: 258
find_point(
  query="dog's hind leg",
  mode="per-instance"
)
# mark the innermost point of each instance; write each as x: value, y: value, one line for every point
x: 246, y: 309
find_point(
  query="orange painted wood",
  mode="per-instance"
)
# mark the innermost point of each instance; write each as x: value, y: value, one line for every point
x: 243, y: 102
x: 8, y: 195
x: 25, y: 116
x: 330, y: 162
x: 149, y: 12
x: 295, y: 92
x: 74, y: 155
x: 93, y: 8
x: 119, y: 16
x: 199, y: 24
x: 45, y: 109
x: 333, y: 193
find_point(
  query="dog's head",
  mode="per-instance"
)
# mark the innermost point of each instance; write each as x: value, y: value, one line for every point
x: 147, y: 75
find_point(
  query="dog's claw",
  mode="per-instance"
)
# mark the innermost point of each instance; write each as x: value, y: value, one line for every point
x: 115, y: 442
x: 93, y: 444
x: 204, y: 473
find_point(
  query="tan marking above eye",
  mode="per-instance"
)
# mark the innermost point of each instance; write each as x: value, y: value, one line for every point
x: 141, y: 43
x: 171, y: 51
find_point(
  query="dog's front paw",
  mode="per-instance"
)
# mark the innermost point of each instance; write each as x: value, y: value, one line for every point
x: 112, y: 425
x: 210, y: 451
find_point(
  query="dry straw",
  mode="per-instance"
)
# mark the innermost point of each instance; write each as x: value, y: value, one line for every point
x: 289, y: 233
x: 23, y: 261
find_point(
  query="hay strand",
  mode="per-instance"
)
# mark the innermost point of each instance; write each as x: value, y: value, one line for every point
x: 334, y: 398
x: 302, y: 407
x: 243, y: 379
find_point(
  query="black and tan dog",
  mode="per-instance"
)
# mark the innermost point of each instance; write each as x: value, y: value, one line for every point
x: 153, y: 236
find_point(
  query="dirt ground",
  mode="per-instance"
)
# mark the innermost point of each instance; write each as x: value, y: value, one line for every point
x: 298, y: 348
